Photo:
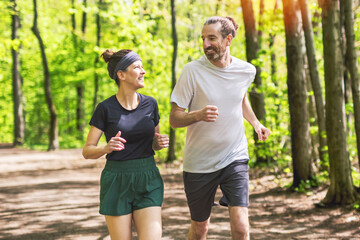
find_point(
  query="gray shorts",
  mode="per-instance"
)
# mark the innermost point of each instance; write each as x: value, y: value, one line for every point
x: 200, y: 189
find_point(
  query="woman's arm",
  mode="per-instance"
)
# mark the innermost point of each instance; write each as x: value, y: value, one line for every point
x: 91, y: 149
x: 160, y: 141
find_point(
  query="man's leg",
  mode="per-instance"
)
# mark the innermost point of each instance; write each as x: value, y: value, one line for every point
x: 200, y: 189
x: 198, y: 230
x: 239, y: 222
x: 235, y: 187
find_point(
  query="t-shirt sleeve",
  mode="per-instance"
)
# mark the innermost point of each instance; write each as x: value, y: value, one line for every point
x: 98, y: 118
x: 252, y: 73
x: 184, y: 89
x: 156, y: 113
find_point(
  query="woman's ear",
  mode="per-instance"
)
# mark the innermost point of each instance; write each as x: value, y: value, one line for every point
x: 121, y: 75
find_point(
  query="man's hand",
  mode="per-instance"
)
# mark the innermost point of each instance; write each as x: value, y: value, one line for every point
x: 262, y: 132
x: 208, y: 113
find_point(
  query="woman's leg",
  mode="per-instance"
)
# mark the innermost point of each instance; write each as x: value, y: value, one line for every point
x: 148, y: 223
x: 119, y: 227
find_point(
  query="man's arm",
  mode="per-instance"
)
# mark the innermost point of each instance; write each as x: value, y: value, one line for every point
x: 249, y: 115
x: 179, y: 118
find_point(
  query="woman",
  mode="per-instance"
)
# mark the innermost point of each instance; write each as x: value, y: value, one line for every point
x: 131, y: 188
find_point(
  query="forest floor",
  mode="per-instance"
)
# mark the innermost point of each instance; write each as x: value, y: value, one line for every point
x: 54, y: 195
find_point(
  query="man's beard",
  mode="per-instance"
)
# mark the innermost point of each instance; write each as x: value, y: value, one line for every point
x: 217, y: 54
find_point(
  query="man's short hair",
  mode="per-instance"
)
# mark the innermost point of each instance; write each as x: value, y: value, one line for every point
x: 228, y: 25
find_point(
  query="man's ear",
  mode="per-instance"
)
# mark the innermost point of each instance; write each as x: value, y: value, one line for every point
x: 229, y: 39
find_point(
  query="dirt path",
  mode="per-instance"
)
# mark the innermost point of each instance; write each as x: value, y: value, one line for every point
x: 55, y: 196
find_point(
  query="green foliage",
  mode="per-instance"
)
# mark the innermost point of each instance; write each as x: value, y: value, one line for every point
x: 144, y: 26
x: 356, y: 206
x: 306, y: 186
x: 356, y: 176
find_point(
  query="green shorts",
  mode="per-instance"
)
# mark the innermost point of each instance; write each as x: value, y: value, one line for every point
x: 130, y: 185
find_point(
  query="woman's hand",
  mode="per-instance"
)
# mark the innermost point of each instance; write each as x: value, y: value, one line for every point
x: 115, y: 144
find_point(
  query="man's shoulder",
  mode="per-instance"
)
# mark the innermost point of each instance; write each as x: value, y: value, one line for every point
x: 195, y: 63
x: 242, y: 63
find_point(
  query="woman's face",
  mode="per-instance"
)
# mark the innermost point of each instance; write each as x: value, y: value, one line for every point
x: 134, y: 75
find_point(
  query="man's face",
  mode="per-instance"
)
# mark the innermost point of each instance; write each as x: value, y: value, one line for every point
x: 214, y: 44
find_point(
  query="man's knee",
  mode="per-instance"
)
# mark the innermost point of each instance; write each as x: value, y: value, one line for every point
x: 241, y: 229
x: 198, y: 230
x: 240, y: 226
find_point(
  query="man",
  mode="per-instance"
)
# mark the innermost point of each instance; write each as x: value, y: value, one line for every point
x: 213, y: 89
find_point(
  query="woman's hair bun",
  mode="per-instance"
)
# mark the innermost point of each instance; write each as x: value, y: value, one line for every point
x: 107, y: 54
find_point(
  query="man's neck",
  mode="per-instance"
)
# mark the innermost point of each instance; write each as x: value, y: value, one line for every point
x: 223, y: 62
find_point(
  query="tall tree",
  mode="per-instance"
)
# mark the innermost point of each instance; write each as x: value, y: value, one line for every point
x: 73, y: 23
x: 261, y: 21
x: 53, y: 128
x: 297, y: 94
x: 252, y: 48
x: 218, y: 4
x: 351, y: 59
x: 273, y: 64
x: 271, y: 46
x: 172, y: 136
x: 346, y: 74
x: 98, y: 38
x: 19, y: 120
x: 80, y: 88
x: 315, y: 79
x: 341, y: 190
x: 312, y: 115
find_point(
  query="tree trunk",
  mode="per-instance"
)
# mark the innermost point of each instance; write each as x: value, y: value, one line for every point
x: 73, y: 23
x: 351, y: 58
x: 80, y: 88
x: 53, y: 129
x: 271, y: 44
x: 346, y: 74
x: 218, y: 4
x: 252, y: 47
x: 341, y: 190
x: 98, y: 38
x: 315, y: 80
x: 172, y: 136
x: 19, y: 120
x: 261, y: 25
x: 313, y: 117
x: 83, y: 24
x: 297, y: 94
x: 273, y: 69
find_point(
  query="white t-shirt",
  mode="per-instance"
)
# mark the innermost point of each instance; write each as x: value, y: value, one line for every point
x: 211, y: 146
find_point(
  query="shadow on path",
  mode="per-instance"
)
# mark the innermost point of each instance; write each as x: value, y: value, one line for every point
x: 55, y: 196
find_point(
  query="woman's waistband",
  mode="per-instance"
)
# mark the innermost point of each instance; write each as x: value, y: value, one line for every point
x: 133, y: 165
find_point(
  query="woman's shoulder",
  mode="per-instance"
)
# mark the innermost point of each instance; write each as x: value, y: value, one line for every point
x: 108, y: 101
x: 147, y: 98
